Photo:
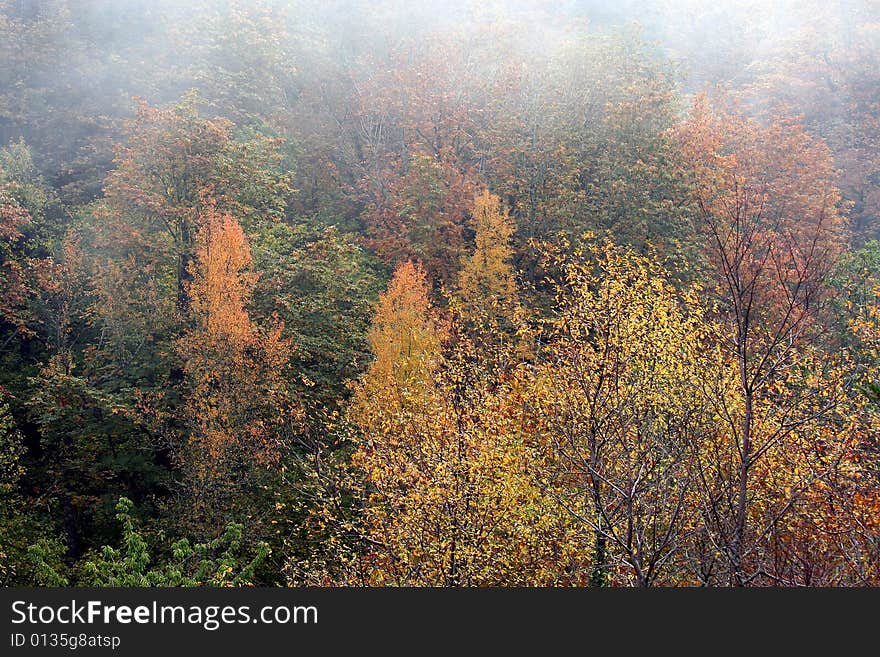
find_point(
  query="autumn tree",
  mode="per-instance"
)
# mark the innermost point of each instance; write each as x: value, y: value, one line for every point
x: 391, y: 143
x: 453, y: 478
x: 175, y: 159
x: 424, y: 216
x: 823, y: 67
x: 772, y: 228
x: 236, y: 405
x: 175, y: 171
x: 404, y: 338
x: 486, y: 282
x: 617, y: 393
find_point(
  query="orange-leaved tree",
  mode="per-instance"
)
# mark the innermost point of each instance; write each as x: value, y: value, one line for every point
x: 237, y: 406
x: 770, y: 218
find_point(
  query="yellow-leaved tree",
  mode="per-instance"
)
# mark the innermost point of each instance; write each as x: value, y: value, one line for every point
x: 486, y: 283
x: 617, y: 394
x: 487, y: 304
x: 453, y: 478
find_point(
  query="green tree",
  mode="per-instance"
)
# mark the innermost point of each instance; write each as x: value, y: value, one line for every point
x: 223, y: 561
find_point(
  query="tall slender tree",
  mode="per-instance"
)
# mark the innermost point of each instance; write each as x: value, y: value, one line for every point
x: 772, y: 226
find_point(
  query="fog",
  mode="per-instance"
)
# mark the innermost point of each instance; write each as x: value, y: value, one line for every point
x: 70, y: 68
x: 439, y: 293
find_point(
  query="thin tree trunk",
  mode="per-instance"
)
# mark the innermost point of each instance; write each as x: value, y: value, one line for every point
x: 738, y: 543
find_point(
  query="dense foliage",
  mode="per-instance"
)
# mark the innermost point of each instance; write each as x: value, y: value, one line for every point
x: 439, y: 294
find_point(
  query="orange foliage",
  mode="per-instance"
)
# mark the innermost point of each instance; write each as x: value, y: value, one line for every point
x: 770, y: 215
x: 238, y: 402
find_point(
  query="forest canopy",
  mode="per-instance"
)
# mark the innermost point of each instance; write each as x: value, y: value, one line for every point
x: 460, y: 293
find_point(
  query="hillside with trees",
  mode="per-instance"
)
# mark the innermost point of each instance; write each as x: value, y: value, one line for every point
x: 457, y: 293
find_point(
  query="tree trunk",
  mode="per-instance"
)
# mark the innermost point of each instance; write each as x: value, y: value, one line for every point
x: 737, y: 547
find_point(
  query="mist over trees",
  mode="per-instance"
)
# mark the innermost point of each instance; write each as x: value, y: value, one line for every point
x: 455, y: 293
